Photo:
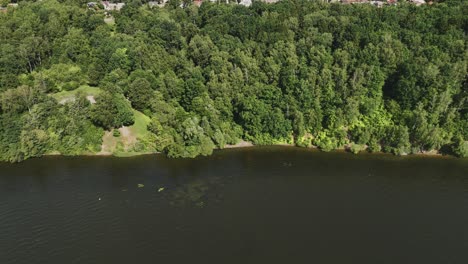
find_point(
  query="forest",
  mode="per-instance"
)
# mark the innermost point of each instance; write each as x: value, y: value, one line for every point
x: 185, y: 80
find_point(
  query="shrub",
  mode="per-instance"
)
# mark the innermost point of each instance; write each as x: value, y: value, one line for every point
x: 460, y: 148
x: 356, y: 148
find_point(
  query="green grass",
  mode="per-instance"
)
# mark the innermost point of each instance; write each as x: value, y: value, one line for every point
x: 109, y: 142
x: 69, y: 95
x: 139, y: 129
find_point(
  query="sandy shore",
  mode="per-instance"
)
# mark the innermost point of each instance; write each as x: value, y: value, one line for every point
x: 241, y: 144
x: 246, y: 144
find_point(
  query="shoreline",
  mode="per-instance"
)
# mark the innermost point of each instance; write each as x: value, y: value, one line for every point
x: 241, y: 144
x: 248, y: 144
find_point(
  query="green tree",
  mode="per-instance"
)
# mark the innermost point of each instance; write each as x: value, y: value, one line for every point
x: 140, y: 94
x: 112, y: 111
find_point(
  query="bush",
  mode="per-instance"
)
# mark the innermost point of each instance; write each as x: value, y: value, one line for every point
x: 120, y: 147
x: 139, y: 147
x: 374, y: 146
x: 303, y: 142
x: 34, y: 143
x: 112, y: 111
x: 356, y: 148
x: 460, y: 148
x: 325, y: 142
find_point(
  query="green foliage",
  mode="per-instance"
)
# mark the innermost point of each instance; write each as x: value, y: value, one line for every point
x: 190, y: 141
x: 34, y: 143
x: 4, y: 3
x: 397, y: 140
x: 374, y: 145
x: 460, y: 148
x: 60, y: 77
x: 140, y: 94
x: 325, y: 142
x: 119, y: 60
x: 20, y: 99
x: 191, y: 79
x: 200, y: 49
x: 112, y: 111
x: 356, y: 148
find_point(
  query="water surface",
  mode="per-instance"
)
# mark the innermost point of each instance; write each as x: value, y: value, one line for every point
x: 255, y: 205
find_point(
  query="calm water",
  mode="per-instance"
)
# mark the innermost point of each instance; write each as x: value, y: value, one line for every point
x: 260, y: 205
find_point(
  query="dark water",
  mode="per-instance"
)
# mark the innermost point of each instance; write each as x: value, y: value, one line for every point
x: 261, y: 205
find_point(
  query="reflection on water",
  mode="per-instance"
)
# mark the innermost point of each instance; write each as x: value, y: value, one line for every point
x: 264, y: 205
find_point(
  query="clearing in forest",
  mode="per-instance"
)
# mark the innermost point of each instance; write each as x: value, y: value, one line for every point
x: 69, y: 96
x: 123, y: 142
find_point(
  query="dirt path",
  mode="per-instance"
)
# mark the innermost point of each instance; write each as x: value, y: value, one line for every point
x: 108, y: 144
x: 127, y: 137
x: 91, y: 99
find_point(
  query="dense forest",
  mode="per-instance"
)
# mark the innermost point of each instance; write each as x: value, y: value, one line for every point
x: 184, y: 80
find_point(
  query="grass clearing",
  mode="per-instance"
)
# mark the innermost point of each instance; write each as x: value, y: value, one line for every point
x: 139, y: 129
x: 109, y: 143
x: 66, y: 96
x: 110, y: 20
x: 123, y: 145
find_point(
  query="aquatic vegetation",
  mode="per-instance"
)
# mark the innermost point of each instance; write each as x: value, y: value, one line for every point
x: 196, y: 193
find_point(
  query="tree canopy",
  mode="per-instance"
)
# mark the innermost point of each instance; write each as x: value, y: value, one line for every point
x: 309, y: 73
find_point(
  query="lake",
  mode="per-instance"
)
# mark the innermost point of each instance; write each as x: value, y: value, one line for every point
x: 251, y: 205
